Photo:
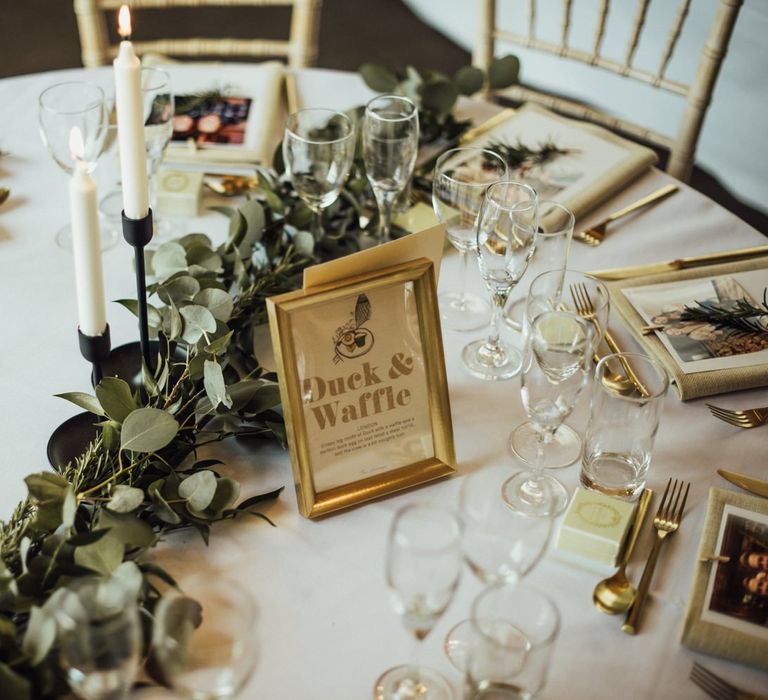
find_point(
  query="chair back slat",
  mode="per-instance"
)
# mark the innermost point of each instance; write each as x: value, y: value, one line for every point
x: 637, y: 28
x: 299, y: 50
x: 697, y: 93
x: 602, y: 18
x: 674, y: 34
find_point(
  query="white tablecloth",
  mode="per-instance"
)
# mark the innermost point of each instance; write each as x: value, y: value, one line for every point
x: 326, y: 627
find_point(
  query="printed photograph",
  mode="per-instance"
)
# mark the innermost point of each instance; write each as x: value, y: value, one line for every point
x: 211, y: 119
x: 688, y: 318
x: 737, y: 594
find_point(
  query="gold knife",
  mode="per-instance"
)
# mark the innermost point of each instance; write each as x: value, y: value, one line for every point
x: 745, y: 482
x: 622, y: 273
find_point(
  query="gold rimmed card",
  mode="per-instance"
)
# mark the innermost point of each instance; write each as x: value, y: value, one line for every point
x: 363, y: 385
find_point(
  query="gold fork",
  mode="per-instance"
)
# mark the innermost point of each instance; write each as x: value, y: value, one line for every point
x: 586, y: 309
x: 746, y: 418
x: 717, y: 687
x: 594, y: 236
x: 666, y: 522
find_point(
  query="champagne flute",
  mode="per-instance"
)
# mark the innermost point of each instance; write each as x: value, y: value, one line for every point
x: 390, y: 145
x: 204, y: 639
x: 506, y: 235
x: 558, y: 356
x: 318, y: 150
x: 553, y: 243
x: 547, y: 292
x: 500, y: 544
x: 422, y: 568
x: 159, y: 108
x: 81, y: 104
x: 99, y: 638
x: 461, y: 177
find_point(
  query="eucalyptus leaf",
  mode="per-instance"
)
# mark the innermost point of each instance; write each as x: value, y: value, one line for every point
x: 198, y: 489
x: 237, y: 229
x: 83, y: 400
x: 378, y: 78
x: 129, y: 576
x: 110, y: 434
x: 69, y: 508
x: 227, y: 492
x: 213, y: 381
x: 47, y: 486
x: 126, y: 528
x: 197, y: 321
x: 253, y: 213
x: 304, y: 243
x: 219, y: 345
x: 179, y: 289
x: 40, y: 635
x: 192, y: 240
x: 503, y: 72
x: 218, y: 302
x: 148, y: 430
x: 203, y: 257
x: 115, y: 396
x: 125, y: 499
x: 89, y: 537
x: 469, y: 80
x: 169, y: 259
x: 102, y: 556
x: 162, y: 508
x: 439, y: 96
x: 154, y: 319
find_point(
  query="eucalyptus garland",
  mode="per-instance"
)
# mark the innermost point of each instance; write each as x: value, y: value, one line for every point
x: 142, y: 476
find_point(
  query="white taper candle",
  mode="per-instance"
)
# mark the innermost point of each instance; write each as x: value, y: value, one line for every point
x: 130, y: 124
x: 84, y: 218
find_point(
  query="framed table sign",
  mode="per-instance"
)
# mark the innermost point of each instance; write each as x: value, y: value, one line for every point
x: 363, y: 385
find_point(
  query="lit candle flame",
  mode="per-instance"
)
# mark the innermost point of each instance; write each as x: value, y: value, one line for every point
x: 124, y: 27
x: 76, y: 143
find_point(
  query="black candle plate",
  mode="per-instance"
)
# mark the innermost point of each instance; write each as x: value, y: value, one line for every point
x: 70, y: 439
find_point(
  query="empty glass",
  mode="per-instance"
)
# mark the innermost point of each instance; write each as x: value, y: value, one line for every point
x: 500, y: 544
x: 75, y: 103
x: 390, y: 145
x: 99, y: 638
x: 515, y: 627
x: 549, y: 291
x: 553, y: 243
x: 318, y: 150
x: 460, y: 179
x: 205, y: 638
x: 422, y: 569
x: 622, y: 425
x: 506, y: 234
x: 158, y: 129
x: 558, y: 357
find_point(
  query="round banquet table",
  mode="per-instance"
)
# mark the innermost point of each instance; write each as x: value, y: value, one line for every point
x: 326, y: 626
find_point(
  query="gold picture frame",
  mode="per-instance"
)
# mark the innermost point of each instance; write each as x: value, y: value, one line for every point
x: 363, y: 385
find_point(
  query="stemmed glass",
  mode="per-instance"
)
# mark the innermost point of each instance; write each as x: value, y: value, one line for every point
x: 158, y: 128
x: 549, y: 291
x: 506, y: 235
x: 318, y: 150
x: 461, y: 177
x: 61, y: 107
x: 99, y: 638
x: 553, y: 243
x: 500, y: 544
x: 422, y: 569
x: 204, y: 639
x: 390, y: 145
x: 558, y: 356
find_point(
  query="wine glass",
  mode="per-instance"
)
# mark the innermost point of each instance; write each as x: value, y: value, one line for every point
x: 158, y: 100
x: 506, y: 235
x: 500, y: 544
x: 461, y: 177
x: 390, y: 145
x: 515, y: 628
x: 558, y: 356
x: 553, y: 242
x: 204, y: 639
x: 99, y: 638
x: 318, y: 150
x: 81, y: 104
x: 549, y: 291
x: 422, y: 569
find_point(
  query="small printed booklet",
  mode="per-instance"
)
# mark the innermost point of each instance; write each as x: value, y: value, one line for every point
x: 576, y: 163
x: 225, y: 112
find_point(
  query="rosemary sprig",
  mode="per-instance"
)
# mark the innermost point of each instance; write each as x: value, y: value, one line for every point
x: 740, y: 316
x: 518, y: 155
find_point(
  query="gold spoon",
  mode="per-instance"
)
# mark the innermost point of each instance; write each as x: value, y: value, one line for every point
x: 4, y: 194
x: 231, y: 185
x: 615, y: 594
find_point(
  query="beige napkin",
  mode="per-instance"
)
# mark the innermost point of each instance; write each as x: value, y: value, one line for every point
x: 696, y: 384
x: 706, y: 636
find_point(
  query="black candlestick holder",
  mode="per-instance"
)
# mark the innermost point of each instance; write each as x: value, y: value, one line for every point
x: 95, y: 349
x: 138, y: 233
